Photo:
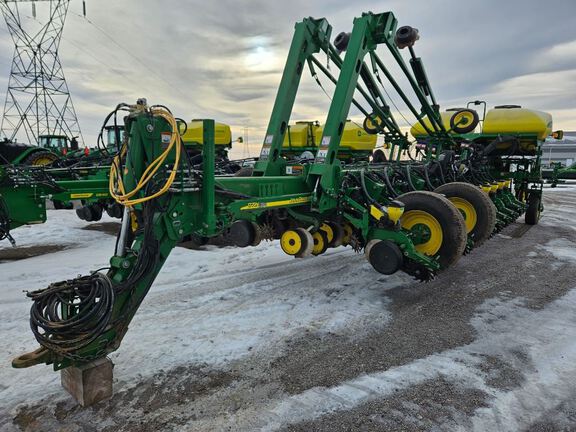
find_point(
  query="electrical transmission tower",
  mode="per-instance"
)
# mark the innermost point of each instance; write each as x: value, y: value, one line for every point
x: 37, y: 101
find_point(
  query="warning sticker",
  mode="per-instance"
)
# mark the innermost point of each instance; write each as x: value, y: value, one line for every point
x: 321, y: 154
x: 294, y: 169
x: 325, y: 142
x: 268, y: 139
x: 165, y: 139
x: 265, y: 152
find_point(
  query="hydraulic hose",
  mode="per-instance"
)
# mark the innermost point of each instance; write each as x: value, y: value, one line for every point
x: 116, y: 184
x: 69, y: 315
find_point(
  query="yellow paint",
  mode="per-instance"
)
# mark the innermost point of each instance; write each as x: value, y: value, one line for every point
x: 395, y: 213
x: 195, y: 133
x: 291, y: 201
x: 354, y: 137
x: 376, y: 213
x: 518, y: 120
x: 81, y: 195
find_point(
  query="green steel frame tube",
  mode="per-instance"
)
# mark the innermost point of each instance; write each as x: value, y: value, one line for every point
x: 208, y: 181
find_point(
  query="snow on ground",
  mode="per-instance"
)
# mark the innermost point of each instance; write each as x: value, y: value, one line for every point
x: 195, y: 312
x: 504, y: 329
x: 218, y: 305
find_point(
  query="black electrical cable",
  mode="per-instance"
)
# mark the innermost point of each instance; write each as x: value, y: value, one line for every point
x: 5, y: 222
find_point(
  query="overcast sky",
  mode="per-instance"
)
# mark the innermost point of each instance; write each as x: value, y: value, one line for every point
x: 224, y: 59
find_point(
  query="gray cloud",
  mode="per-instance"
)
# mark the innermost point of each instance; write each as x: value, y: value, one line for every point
x: 201, y: 58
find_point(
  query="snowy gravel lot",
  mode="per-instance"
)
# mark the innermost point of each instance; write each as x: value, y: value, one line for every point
x: 251, y: 339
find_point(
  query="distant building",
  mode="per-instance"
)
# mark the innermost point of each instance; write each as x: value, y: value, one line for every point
x: 563, y: 151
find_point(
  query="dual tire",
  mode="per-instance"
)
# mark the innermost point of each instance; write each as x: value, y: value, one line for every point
x: 476, y: 207
x: 442, y: 224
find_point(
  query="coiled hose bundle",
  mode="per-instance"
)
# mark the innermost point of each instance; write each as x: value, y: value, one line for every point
x: 69, y: 315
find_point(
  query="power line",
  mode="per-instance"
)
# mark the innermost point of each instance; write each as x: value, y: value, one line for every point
x: 115, y: 42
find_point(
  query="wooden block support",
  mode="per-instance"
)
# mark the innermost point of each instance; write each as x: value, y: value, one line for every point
x: 90, y: 383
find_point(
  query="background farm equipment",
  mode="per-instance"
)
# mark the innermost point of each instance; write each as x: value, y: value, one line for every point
x: 50, y: 149
x: 399, y: 224
x: 507, y: 151
x: 302, y: 141
x: 559, y: 174
x: 24, y: 189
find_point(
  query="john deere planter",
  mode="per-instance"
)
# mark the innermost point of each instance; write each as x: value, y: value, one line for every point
x: 387, y: 210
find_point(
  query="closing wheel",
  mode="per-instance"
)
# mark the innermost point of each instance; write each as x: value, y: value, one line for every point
x: 298, y: 242
x: 532, y: 216
x: 328, y: 230
x: 320, y: 240
x: 476, y: 207
x: 384, y: 255
x: 242, y: 233
x: 464, y: 121
x: 348, y: 231
x: 437, y: 228
x: 338, y: 235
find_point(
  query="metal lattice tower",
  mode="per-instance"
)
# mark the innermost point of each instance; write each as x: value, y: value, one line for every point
x: 38, y: 101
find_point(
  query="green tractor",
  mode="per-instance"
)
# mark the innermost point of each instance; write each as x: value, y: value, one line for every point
x: 50, y: 149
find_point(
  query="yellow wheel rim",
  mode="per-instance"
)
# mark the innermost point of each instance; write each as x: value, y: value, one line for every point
x: 319, y: 244
x: 328, y: 230
x: 373, y: 123
x: 291, y: 242
x: 419, y: 221
x: 463, y: 118
x: 45, y: 160
x: 467, y: 210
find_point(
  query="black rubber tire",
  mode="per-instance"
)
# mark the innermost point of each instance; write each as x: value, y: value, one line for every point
x: 378, y: 156
x: 244, y: 172
x: 405, y: 36
x: 115, y: 210
x: 96, y: 211
x: 449, y: 218
x: 384, y: 256
x: 194, y: 241
x: 485, y: 208
x: 532, y: 216
x: 324, y: 240
x: 242, y: 233
x: 34, y: 158
x: 341, y: 41
x: 62, y: 205
x: 370, y: 130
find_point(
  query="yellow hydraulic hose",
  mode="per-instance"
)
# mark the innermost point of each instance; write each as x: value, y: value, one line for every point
x: 125, y: 198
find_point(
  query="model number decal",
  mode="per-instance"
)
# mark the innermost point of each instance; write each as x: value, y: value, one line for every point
x: 260, y: 205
